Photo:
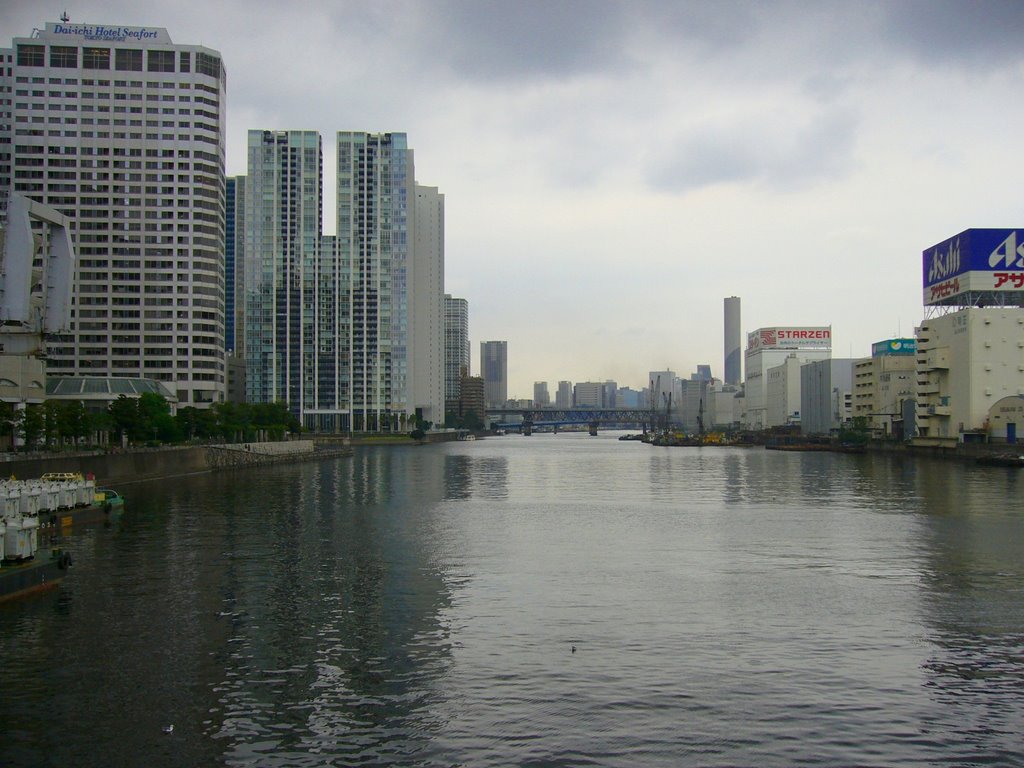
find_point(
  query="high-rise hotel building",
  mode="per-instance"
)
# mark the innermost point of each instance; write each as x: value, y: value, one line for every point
x: 347, y: 329
x: 123, y: 131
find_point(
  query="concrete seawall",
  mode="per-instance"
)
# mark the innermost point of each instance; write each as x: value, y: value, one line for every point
x: 119, y: 468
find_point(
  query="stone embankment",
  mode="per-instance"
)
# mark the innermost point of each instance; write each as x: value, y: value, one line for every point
x: 119, y: 467
x: 239, y: 455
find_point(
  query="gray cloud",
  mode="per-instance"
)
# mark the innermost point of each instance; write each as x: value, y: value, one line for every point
x: 950, y: 33
x: 816, y: 150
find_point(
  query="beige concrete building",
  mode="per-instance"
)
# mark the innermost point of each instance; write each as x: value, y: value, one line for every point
x: 783, y: 392
x: 1005, y: 419
x: 966, y: 362
x: 881, y: 384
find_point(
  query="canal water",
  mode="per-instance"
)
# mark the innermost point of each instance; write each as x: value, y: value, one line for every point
x: 544, y: 601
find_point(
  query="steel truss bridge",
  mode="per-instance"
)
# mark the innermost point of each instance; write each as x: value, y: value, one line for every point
x: 517, y: 418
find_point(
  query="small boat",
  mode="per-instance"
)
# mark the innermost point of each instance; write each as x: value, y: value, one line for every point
x: 61, y: 499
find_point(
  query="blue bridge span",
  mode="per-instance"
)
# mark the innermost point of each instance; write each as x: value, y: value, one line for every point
x: 518, y: 418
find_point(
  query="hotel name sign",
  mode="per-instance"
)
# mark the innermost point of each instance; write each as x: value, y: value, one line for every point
x: 101, y: 33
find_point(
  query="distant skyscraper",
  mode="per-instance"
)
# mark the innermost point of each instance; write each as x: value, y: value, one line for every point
x: 494, y: 368
x: 563, y: 397
x: 456, y: 349
x: 123, y: 131
x: 541, y: 397
x: 733, y: 341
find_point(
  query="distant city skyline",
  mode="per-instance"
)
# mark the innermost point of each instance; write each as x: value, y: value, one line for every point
x: 651, y: 161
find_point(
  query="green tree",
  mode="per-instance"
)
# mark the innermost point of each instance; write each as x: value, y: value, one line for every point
x: 29, y: 425
x: 73, y: 421
x: 197, y: 424
x: 155, y: 422
x: 470, y: 420
x: 51, y: 423
x: 124, y: 413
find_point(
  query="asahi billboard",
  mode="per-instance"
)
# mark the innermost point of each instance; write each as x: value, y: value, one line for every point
x: 977, y: 262
x: 787, y: 337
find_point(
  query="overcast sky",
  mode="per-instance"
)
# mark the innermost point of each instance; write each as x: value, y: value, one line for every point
x: 613, y: 170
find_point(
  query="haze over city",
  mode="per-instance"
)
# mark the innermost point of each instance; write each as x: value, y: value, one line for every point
x: 612, y: 170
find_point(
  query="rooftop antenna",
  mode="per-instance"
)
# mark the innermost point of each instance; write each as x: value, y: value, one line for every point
x: 64, y: 17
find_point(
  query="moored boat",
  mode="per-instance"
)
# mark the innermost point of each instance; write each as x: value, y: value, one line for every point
x: 23, y: 568
x: 38, y: 574
x: 60, y: 499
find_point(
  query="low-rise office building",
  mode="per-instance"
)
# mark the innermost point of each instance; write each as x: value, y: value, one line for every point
x: 882, y: 383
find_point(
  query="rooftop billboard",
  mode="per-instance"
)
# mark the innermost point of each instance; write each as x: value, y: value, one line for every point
x: 975, y: 261
x: 894, y: 347
x: 802, y: 337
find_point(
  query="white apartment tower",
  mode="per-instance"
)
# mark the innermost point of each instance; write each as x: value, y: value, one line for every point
x: 122, y: 130
x: 426, y: 294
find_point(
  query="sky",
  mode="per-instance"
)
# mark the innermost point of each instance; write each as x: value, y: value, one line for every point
x: 613, y: 170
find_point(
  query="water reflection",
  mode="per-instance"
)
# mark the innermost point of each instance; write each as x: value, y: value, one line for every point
x: 416, y: 607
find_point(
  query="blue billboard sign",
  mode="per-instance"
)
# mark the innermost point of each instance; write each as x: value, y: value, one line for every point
x: 975, y: 260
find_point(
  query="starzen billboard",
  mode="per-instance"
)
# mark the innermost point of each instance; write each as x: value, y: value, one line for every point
x: 807, y: 337
x: 975, y: 261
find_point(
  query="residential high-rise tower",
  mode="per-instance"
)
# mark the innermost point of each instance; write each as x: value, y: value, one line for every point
x: 456, y: 349
x: 346, y: 329
x: 290, y: 334
x: 494, y: 369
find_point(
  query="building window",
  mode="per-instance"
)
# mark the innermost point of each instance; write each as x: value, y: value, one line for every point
x: 30, y: 56
x: 95, y: 58
x: 65, y: 56
x: 128, y: 60
x: 160, y: 61
x: 207, y: 65
x: 185, y: 62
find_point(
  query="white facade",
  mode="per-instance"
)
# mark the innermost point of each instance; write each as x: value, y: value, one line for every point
x: 123, y: 131
x: 721, y: 406
x: 426, y: 298
x: 1006, y: 420
x: 966, y: 362
x: 768, y: 348
x: 783, y: 393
